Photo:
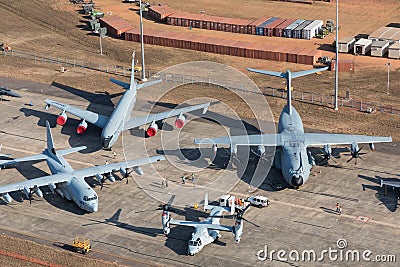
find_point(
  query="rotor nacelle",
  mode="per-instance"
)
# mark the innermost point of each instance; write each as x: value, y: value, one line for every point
x: 62, y: 118
x: 238, y: 229
x: 152, y: 130
x: 82, y: 127
x: 165, y: 218
x: 180, y: 121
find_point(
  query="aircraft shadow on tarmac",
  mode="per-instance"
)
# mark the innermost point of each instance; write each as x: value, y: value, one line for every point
x: 390, y: 200
x: 91, y: 139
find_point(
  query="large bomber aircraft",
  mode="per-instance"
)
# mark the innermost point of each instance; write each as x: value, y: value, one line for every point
x: 207, y: 231
x: 66, y: 181
x: 120, y: 120
x: 8, y: 92
x: 292, y: 156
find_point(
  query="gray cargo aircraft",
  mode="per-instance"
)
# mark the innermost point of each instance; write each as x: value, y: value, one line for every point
x: 66, y: 181
x: 207, y: 231
x: 120, y: 120
x: 291, y: 155
x: 8, y: 92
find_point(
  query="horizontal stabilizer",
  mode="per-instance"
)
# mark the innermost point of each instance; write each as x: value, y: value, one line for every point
x: 143, y: 85
x: 120, y: 83
x: 70, y: 150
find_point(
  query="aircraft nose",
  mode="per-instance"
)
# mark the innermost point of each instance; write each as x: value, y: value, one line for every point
x: 297, y: 180
x: 93, y: 208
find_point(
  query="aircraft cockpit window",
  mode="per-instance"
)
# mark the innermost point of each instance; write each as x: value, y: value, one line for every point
x: 85, y: 198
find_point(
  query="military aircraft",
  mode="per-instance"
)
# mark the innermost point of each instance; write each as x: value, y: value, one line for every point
x: 66, y: 181
x: 291, y: 155
x: 390, y: 182
x: 207, y: 231
x: 120, y: 120
x: 8, y: 92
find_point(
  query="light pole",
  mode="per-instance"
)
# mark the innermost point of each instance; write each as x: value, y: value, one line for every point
x: 388, y: 79
x: 141, y: 41
x: 337, y: 56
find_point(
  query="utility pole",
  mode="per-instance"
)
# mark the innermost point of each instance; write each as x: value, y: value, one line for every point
x: 388, y: 78
x: 337, y: 56
x: 141, y: 41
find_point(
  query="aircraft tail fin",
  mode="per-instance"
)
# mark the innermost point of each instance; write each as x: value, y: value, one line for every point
x: 50, y: 143
x: 206, y: 206
x: 288, y: 75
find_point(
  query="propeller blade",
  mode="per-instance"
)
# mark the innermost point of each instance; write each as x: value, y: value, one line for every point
x: 350, y: 159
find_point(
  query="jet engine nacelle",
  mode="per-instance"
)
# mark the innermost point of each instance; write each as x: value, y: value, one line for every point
x: 138, y: 170
x: 238, y: 230
x: 27, y: 192
x: 38, y: 192
x: 52, y: 187
x: 261, y: 150
x: 62, y: 118
x: 110, y: 177
x: 372, y: 146
x: 7, y: 198
x: 82, y: 127
x: 124, y: 172
x: 99, y: 178
x: 165, y: 222
x: 152, y: 130
x: 180, y: 121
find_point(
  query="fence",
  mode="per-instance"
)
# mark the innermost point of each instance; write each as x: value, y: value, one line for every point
x: 318, y: 99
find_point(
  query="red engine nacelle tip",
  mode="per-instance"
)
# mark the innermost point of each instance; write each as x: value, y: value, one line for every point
x: 151, y: 131
x: 81, y: 127
x: 61, y: 119
x: 81, y: 130
x: 179, y: 123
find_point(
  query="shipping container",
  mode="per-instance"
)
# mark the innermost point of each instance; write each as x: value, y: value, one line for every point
x: 394, y: 51
x: 346, y: 44
x: 343, y: 65
x: 260, y: 29
x: 251, y: 28
x: 311, y: 30
x: 278, y: 31
x: 287, y: 32
x: 269, y: 29
x: 298, y: 31
x: 379, y: 48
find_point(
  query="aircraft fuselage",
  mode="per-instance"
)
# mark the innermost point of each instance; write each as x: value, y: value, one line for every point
x: 77, y: 189
x: 292, y: 158
x: 115, y: 125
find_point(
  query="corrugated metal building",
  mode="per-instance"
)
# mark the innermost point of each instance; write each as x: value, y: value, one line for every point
x: 116, y: 26
x: 278, y: 31
x: 160, y: 12
x: 287, y: 32
x: 312, y: 29
x: 346, y: 44
x: 260, y: 29
x: 379, y: 48
x: 362, y: 46
x: 394, y: 51
x: 298, y: 31
x: 386, y: 33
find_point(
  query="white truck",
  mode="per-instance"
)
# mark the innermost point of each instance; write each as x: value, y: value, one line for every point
x: 258, y: 201
x: 229, y: 200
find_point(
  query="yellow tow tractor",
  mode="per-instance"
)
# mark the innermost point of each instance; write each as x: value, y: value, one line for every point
x: 81, y: 245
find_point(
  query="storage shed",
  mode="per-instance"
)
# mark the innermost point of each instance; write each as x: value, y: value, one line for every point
x: 312, y: 29
x: 362, y: 46
x: 346, y: 44
x: 394, y: 51
x: 379, y: 48
x: 287, y: 32
x: 160, y: 12
x: 386, y: 33
x: 116, y: 26
x: 298, y: 31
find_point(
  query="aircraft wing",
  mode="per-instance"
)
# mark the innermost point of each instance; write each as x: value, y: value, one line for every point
x: 66, y: 177
x: 93, y: 118
x: 390, y: 182
x: 315, y: 139
x: 139, y: 121
x: 42, y: 181
x: 202, y: 224
x: 107, y: 168
x: 244, y: 140
x: 4, y: 163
